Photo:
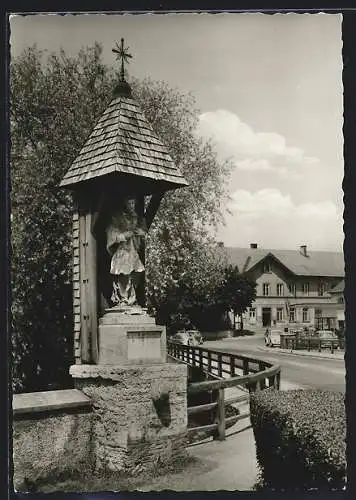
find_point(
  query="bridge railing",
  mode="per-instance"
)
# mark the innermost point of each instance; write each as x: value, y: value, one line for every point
x: 226, y: 371
x: 311, y: 343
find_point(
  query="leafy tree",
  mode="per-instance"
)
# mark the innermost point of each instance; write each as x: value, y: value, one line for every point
x: 53, y: 109
x: 189, y: 299
x: 55, y: 102
x: 237, y: 293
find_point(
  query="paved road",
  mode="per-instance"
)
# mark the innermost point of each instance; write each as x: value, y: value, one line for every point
x: 321, y: 373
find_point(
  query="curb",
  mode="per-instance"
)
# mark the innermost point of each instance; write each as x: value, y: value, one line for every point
x: 304, y: 353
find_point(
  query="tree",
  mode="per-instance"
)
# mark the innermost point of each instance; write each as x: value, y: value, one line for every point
x: 237, y: 293
x: 187, y: 217
x: 53, y: 109
x: 55, y: 102
x: 190, y: 297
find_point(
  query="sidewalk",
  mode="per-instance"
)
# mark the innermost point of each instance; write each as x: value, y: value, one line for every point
x: 219, y: 465
x: 313, y: 354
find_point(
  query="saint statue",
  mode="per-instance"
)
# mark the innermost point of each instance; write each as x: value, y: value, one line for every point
x: 125, y: 235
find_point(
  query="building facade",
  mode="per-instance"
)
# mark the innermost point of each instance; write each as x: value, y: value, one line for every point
x: 293, y: 286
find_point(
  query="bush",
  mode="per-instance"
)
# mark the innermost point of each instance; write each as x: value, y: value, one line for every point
x: 300, y: 439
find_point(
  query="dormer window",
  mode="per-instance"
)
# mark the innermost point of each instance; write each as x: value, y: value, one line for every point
x: 267, y: 267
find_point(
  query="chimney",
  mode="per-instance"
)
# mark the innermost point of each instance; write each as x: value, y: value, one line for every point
x: 253, y: 245
x: 303, y: 250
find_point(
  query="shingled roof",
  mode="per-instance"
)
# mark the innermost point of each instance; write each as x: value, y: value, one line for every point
x: 318, y: 263
x: 123, y: 141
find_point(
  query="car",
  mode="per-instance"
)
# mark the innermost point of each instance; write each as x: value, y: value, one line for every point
x: 327, y: 338
x: 181, y: 337
x: 273, y: 338
x: 195, y: 337
x: 188, y: 337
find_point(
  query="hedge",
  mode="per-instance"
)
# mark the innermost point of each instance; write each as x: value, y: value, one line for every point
x: 300, y: 439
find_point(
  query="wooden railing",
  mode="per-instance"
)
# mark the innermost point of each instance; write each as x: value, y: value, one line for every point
x: 311, y: 343
x: 247, y: 374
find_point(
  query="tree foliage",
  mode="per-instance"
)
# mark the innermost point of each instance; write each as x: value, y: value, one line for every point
x: 237, y: 292
x: 55, y: 102
x: 53, y: 109
x: 190, y: 298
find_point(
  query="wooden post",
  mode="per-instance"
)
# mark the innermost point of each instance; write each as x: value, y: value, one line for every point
x: 88, y: 281
x: 209, y: 362
x: 278, y: 381
x: 220, y: 416
x: 92, y: 289
x: 201, y: 364
x: 193, y: 355
x: 232, y: 366
x: 271, y: 381
x: 319, y: 345
x: 262, y: 381
x: 245, y: 366
x: 252, y: 387
x: 84, y: 314
x: 219, y: 365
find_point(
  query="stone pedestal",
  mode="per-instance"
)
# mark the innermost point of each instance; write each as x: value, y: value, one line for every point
x: 140, y: 413
x: 139, y: 400
x: 129, y: 336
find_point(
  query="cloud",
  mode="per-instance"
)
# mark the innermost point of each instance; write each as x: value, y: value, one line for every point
x: 274, y: 221
x: 250, y: 150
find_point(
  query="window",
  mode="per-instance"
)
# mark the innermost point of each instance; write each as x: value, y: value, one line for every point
x: 340, y: 300
x: 252, y: 313
x: 279, y: 314
x: 267, y: 267
x: 280, y: 289
x: 305, y: 288
x: 305, y: 314
x: 292, y: 314
x: 292, y: 288
x: 265, y: 289
x: 321, y: 289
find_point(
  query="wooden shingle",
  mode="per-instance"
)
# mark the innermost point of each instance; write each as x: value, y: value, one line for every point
x: 123, y: 141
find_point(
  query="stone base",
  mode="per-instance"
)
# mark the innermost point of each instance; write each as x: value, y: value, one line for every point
x: 129, y: 337
x: 140, y: 413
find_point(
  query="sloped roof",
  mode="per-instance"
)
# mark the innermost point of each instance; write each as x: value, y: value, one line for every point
x: 316, y: 264
x: 123, y: 141
x: 339, y: 288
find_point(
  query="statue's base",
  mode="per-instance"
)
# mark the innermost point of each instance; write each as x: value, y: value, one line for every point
x: 139, y: 414
x: 129, y: 335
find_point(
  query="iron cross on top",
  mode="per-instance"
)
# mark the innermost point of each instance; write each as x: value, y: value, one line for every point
x: 123, y: 55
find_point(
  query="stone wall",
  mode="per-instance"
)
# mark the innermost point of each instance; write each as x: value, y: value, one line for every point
x: 51, y: 436
x: 120, y: 419
x: 140, y: 413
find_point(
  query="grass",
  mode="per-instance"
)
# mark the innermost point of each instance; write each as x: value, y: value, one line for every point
x: 116, y: 481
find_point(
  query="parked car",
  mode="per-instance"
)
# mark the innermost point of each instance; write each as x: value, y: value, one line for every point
x: 181, y: 337
x: 328, y: 338
x: 273, y: 338
x: 188, y: 337
x: 195, y: 337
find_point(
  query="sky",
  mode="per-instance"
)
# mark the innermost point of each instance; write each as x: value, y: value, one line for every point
x: 269, y: 93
